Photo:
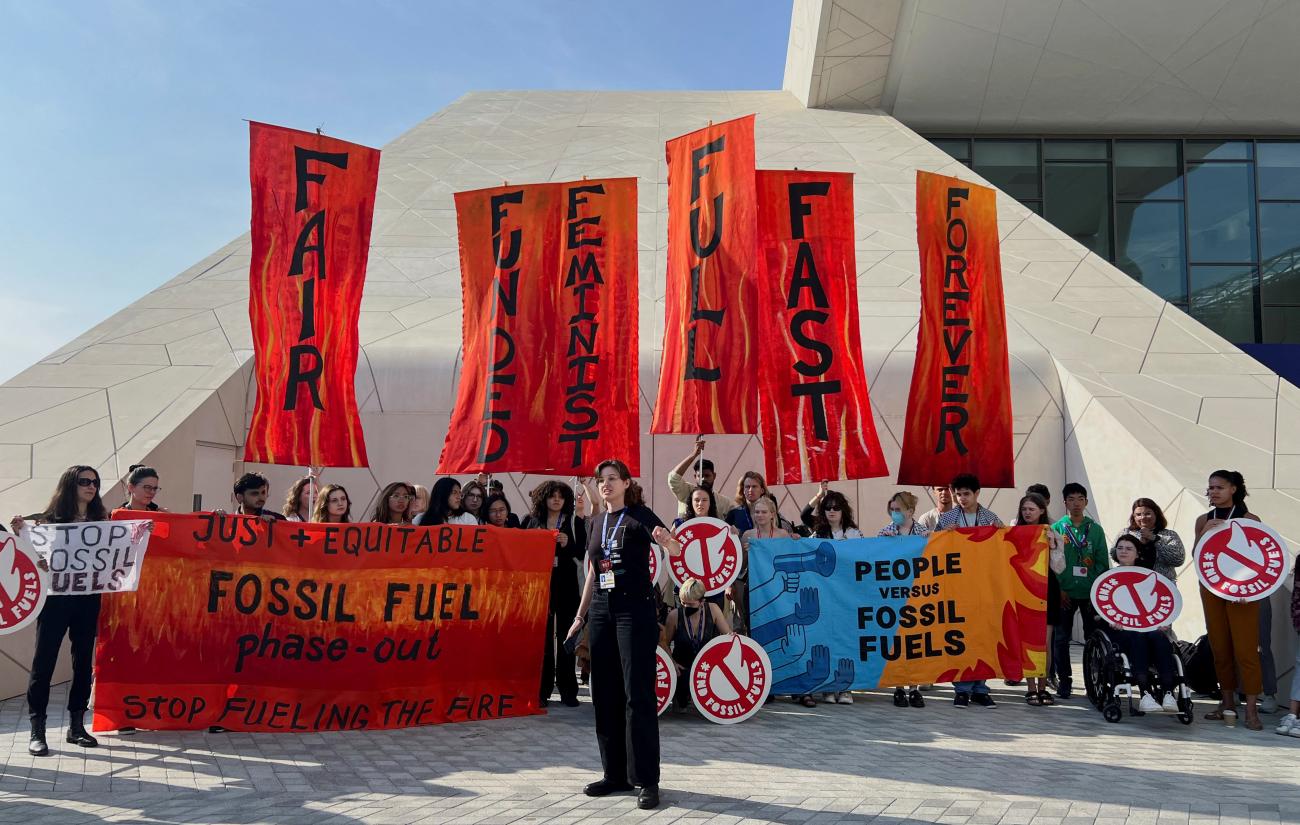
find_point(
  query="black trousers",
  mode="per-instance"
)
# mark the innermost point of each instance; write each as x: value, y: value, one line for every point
x: 1065, y: 628
x: 558, y: 665
x: 624, y: 632
x: 78, y: 618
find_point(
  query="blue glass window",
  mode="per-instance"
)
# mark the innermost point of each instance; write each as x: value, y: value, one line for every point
x: 1221, y: 212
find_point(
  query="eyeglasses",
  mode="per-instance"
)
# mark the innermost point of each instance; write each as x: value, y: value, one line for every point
x: 400, y: 497
x: 87, y: 482
x: 150, y: 488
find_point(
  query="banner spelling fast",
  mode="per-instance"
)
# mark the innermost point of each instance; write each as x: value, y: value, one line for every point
x: 708, y: 380
x: 881, y: 612
x: 814, y: 410
x: 284, y: 626
x: 313, y: 201
x: 959, y: 408
x: 549, y: 381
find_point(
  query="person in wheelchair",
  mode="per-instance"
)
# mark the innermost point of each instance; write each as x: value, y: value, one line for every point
x: 1145, y: 650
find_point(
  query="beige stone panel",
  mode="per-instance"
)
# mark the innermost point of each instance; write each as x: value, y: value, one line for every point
x: 1245, y: 419
x: 20, y: 402
x: 204, y: 349
x: 58, y: 419
x: 1158, y: 393
x: 1212, y: 367
x: 90, y: 443
x: 133, y: 404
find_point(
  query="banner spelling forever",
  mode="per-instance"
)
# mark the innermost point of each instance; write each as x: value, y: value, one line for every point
x: 881, y: 612
x: 708, y: 380
x: 284, y: 626
x: 549, y: 281
x: 813, y: 403
x: 313, y: 201
x: 959, y: 408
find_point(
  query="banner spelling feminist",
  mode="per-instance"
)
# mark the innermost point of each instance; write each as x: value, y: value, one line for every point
x: 549, y: 382
x: 881, y: 612
x: 313, y: 201
x: 708, y: 377
x: 283, y: 626
x: 959, y: 408
x: 814, y: 409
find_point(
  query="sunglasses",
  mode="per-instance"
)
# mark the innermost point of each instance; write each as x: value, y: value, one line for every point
x: 834, y: 507
x: 87, y: 482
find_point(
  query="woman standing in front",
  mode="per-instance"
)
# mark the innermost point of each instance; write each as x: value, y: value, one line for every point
x: 333, y: 506
x: 1033, y: 511
x: 619, y: 602
x: 902, y: 522
x: 1233, y: 626
x: 76, y: 498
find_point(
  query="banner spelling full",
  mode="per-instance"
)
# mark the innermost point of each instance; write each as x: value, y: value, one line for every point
x: 549, y: 380
x: 313, y: 201
x: 959, y: 408
x: 881, y: 612
x: 813, y: 401
x: 708, y: 380
x: 281, y: 626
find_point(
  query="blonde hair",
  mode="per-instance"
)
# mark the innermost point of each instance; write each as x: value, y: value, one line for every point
x: 904, y: 498
x: 740, y: 485
x: 692, y: 589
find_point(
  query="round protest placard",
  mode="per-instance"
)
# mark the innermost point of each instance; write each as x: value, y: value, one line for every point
x: 1135, y: 598
x: 710, y: 554
x: 656, y: 563
x: 665, y: 679
x: 730, y: 679
x: 23, y: 585
x: 1241, y: 560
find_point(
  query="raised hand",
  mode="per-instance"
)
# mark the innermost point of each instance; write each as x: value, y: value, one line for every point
x: 795, y: 641
x: 842, y: 679
x: 809, y: 607
x: 815, y: 672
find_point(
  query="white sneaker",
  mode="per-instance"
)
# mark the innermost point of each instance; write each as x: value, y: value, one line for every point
x: 844, y: 698
x: 1268, y: 704
x: 828, y: 698
x: 1170, y: 703
x: 1288, y: 724
x: 1148, y: 704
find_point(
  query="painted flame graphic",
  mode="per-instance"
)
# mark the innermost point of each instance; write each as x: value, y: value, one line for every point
x: 734, y: 661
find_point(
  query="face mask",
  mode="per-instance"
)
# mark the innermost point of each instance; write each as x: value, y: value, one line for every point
x: 898, y: 517
x: 691, y: 611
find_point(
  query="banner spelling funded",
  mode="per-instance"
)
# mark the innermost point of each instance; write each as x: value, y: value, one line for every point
x: 313, y: 203
x: 814, y: 408
x: 549, y: 382
x: 285, y: 626
x: 708, y: 378
x: 959, y: 408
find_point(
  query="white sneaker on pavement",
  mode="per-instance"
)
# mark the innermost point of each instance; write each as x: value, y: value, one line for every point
x: 1170, y: 703
x: 1288, y: 724
x: 844, y: 698
x: 1148, y: 704
x: 1268, y: 704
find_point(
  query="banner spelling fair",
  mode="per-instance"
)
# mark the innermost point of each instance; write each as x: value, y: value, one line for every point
x: 881, y: 612
x: 549, y: 382
x: 814, y: 408
x: 313, y: 202
x: 92, y: 556
x: 283, y: 626
x: 708, y: 379
x: 959, y: 407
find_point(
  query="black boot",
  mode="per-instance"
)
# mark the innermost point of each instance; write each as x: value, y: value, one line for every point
x: 37, y: 746
x: 77, y: 733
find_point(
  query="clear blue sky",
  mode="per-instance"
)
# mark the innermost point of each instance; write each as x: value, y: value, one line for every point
x: 121, y: 123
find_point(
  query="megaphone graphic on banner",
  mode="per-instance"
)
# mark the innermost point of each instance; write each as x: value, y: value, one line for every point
x: 821, y: 561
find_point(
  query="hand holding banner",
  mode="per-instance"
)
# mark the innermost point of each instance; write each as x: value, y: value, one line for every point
x: 92, y: 556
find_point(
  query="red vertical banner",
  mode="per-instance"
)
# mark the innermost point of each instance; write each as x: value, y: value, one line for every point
x: 959, y: 409
x: 815, y: 412
x: 313, y: 202
x: 508, y: 260
x: 549, y: 380
x: 597, y: 338
x: 708, y: 379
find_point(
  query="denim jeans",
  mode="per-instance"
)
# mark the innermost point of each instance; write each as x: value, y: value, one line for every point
x: 980, y: 686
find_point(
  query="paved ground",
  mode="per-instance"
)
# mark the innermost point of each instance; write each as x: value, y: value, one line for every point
x: 869, y: 762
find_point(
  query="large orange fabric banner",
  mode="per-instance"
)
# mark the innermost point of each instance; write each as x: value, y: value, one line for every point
x: 549, y: 380
x: 313, y: 201
x: 959, y: 409
x: 813, y: 405
x: 282, y: 626
x: 708, y: 379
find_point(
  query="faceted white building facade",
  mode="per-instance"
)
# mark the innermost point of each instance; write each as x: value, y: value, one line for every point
x: 1111, y: 386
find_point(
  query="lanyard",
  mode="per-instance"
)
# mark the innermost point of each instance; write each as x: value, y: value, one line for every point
x: 1232, y: 511
x: 605, y: 540
x: 697, y: 640
x: 1080, y: 539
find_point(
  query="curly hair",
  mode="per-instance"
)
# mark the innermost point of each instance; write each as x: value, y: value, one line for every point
x: 543, y: 492
x: 295, y: 493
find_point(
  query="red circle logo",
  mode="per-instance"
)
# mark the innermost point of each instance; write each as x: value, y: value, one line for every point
x: 22, y: 585
x: 1135, y: 598
x: 730, y: 679
x: 665, y: 679
x: 1241, y: 560
x: 710, y: 554
x: 656, y: 563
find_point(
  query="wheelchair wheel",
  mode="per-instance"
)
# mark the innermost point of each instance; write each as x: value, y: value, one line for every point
x: 1098, y: 679
x: 1112, y: 712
